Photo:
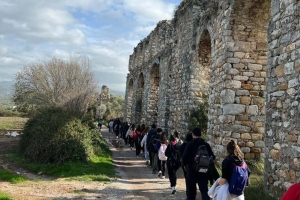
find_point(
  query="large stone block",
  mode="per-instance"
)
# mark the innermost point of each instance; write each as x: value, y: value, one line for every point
x: 252, y: 110
x: 233, y: 109
x: 227, y: 96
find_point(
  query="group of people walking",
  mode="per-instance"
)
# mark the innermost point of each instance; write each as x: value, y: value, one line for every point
x: 168, y: 153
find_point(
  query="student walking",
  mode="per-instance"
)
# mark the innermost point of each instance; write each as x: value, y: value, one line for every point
x: 152, y: 132
x: 154, y: 146
x: 188, y: 138
x: 129, y: 134
x: 233, y: 160
x: 144, y: 145
x: 195, y: 177
x: 137, y: 140
x: 161, y: 155
x: 173, y: 161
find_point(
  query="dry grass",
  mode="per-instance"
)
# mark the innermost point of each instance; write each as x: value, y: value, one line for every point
x: 12, y: 123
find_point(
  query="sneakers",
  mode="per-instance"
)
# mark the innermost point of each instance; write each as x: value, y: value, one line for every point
x: 159, y: 174
x: 163, y: 177
x: 173, y: 192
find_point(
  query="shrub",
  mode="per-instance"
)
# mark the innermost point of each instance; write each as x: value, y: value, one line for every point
x: 198, y: 116
x: 56, y: 136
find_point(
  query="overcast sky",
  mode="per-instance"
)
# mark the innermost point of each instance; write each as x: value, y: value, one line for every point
x: 106, y: 31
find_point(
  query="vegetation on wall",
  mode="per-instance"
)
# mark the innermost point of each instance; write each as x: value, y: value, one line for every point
x: 198, y: 115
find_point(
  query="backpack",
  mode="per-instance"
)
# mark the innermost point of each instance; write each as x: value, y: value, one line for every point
x: 202, y: 160
x: 239, y: 179
x: 161, y: 152
x: 174, y: 160
x: 152, y: 144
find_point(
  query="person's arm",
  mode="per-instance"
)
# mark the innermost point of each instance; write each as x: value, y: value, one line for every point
x: 168, y: 151
x: 226, y: 171
x: 185, y: 156
x: 210, y: 152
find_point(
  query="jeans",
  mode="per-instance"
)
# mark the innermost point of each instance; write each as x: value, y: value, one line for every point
x: 146, y: 153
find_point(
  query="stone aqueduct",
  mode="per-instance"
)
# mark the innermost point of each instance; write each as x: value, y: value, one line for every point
x: 246, y: 55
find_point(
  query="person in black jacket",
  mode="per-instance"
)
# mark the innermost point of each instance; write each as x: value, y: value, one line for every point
x: 152, y: 132
x: 188, y: 138
x: 194, y: 177
x: 173, y: 149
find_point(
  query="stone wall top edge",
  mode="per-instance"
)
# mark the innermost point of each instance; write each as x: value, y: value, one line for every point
x: 151, y: 61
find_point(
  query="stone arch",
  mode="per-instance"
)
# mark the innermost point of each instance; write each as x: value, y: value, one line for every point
x: 201, y: 72
x: 130, y: 100
x: 139, y: 106
x: 154, y: 92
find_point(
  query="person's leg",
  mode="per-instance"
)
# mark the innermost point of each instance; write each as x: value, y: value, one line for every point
x: 171, y: 176
x: 202, y: 183
x: 151, y: 158
x: 191, y: 185
x: 155, y: 162
x: 163, y: 168
x: 186, y: 184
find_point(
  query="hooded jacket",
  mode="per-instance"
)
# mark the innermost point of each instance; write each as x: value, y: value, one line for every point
x: 228, y: 165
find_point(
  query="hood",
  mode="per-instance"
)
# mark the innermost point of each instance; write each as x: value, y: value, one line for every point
x: 236, y: 160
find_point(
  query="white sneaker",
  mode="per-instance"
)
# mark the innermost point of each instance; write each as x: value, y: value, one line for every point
x: 163, y: 177
x: 159, y: 174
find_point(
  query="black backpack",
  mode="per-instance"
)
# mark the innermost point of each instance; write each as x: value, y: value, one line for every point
x: 202, y: 160
x: 174, y: 160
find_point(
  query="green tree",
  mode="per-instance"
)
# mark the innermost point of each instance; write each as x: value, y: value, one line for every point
x: 198, y: 115
x: 114, y: 108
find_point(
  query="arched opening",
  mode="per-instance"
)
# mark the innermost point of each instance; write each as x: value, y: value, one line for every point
x: 204, y: 62
x: 198, y: 114
x: 154, y: 93
x: 129, y: 101
x: 139, y: 98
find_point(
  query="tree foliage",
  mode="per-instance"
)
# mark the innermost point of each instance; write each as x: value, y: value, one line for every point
x: 114, y: 108
x: 199, y: 115
x: 57, y: 83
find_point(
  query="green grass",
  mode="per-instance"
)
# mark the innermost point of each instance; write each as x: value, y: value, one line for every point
x: 4, y: 196
x: 9, y: 123
x: 11, y: 177
x: 255, y: 189
x: 97, y: 169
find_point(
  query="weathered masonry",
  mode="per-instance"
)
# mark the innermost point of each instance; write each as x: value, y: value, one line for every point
x: 246, y: 55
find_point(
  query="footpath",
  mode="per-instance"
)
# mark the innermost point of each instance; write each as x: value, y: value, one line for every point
x: 135, y: 179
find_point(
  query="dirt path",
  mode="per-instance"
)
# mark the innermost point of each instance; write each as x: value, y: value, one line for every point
x: 135, y: 181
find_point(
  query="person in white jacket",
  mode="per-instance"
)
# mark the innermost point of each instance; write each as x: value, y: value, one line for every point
x: 144, y: 145
x: 161, y: 155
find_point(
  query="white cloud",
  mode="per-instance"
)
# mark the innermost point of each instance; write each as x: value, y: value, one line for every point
x: 105, y: 31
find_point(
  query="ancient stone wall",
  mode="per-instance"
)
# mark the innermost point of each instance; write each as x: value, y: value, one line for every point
x: 243, y: 54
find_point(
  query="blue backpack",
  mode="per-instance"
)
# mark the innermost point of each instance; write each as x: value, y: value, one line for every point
x: 239, y: 179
